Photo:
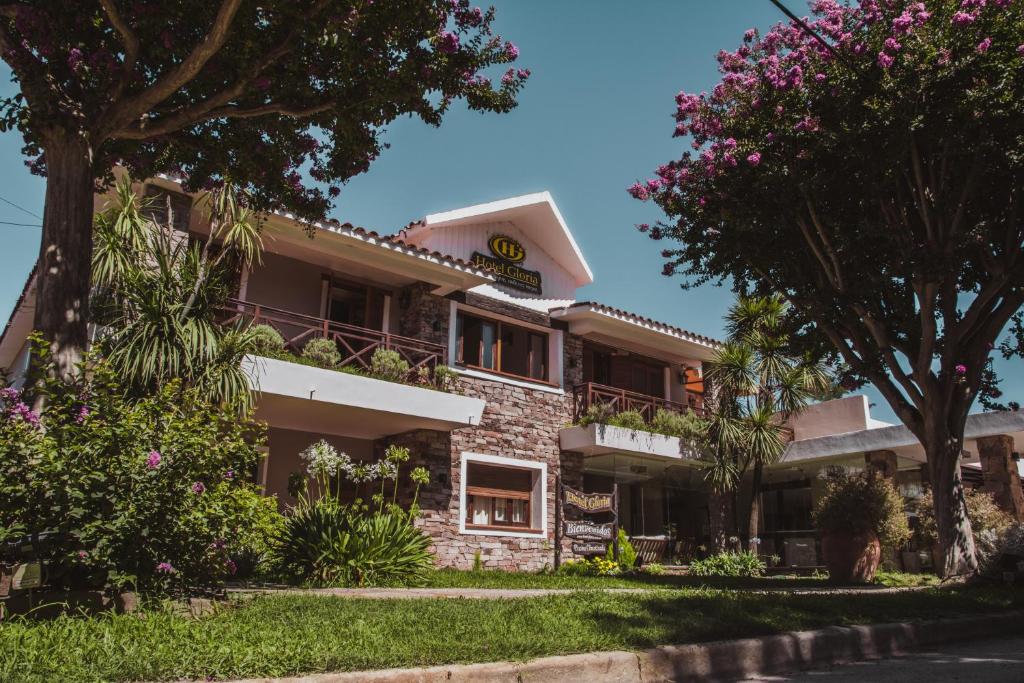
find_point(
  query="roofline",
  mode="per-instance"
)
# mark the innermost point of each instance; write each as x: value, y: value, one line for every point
x: 639, y: 320
x: 29, y: 281
x: 504, y: 205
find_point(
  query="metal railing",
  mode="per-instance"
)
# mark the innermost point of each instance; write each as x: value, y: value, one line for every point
x: 615, y: 400
x: 355, y: 344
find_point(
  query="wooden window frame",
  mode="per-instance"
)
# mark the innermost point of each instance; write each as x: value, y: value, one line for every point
x: 499, y: 325
x: 506, y: 495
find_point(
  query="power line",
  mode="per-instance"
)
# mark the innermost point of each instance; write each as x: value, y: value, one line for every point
x: 21, y: 208
x: 803, y: 24
x: 23, y: 225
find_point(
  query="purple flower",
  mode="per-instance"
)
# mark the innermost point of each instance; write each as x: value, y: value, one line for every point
x: 82, y: 554
x: 22, y: 411
x: 1020, y: 49
x: 892, y: 45
x: 198, y: 487
x: 83, y: 413
x: 983, y: 46
x: 638, y: 191
x: 153, y: 460
x: 511, y: 50
x: 902, y: 23
x: 229, y: 475
x: 884, y: 60
x: 961, y: 369
x: 523, y: 73
x: 166, y: 568
x: 74, y: 59
x: 509, y: 76
x: 754, y: 159
x: 749, y: 34
x: 448, y: 42
x: 963, y: 18
x: 10, y: 394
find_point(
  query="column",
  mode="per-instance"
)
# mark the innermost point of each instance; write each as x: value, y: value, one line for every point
x: 999, y: 472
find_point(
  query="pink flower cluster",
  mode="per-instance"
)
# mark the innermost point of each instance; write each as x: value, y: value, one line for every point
x: 153, y: 460
x: 15, y: 409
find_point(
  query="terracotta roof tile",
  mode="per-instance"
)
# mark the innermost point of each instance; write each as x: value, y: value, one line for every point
x: 604, y: 308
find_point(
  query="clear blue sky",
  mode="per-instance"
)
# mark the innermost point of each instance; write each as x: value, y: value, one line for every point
x: 594, y: 117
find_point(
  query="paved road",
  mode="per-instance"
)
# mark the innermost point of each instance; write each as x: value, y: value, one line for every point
x: 984, y: 661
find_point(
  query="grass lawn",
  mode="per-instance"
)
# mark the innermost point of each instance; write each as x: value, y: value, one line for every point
x: 290, y: 634
x: 450, y: 578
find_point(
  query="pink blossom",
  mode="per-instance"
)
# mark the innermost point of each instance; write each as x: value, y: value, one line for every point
x: 961, y: 369
x: 511, y: 50
x: 892, y: 45
x: 1020, y: 49
x: 166, y: 568
x: 229, y: 475
x: 448, y: 43
x: 153, y: 460
x: 82, y: 554
x: 983, y: 46
x: 198, y: 487
x: 83, y: 413
x: 754, y: 159
x: 885, y: 60
x: 638, y: 191
x: 963, y: 18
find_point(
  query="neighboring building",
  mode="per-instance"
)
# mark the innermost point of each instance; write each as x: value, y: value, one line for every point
x: 490, y: 291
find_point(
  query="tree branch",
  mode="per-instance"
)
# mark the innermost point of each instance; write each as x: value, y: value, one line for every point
x: 226, y: 113
x: 131, y: 46
x: 170, y: 83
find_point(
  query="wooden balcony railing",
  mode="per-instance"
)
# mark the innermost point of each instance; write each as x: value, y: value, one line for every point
x: 619, y: 400
x: 356, y: 344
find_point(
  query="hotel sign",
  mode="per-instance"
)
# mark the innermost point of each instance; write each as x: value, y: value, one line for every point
x: 585, y: 530
x: 589, y: 502
x: 589, y: 548
x: 507, y: 253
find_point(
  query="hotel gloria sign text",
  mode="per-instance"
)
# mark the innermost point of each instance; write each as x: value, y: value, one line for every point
x: 506, y: 254
x: 589, y: 502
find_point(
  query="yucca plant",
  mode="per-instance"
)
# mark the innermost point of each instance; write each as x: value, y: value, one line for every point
x: 157, y: 294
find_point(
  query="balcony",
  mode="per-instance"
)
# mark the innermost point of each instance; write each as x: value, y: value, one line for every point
x: 346, y: 403
x: 355, y: 344
x: 614, y: 400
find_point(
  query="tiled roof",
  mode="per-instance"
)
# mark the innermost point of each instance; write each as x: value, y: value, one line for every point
x: 392, y: 241
x: 645, y: 321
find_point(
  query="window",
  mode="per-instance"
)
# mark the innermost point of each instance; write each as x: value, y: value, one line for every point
x: 502, y: 495
x: 501, y: 347
x: 181, y: 207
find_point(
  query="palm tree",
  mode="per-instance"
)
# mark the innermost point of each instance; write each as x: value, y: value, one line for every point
x: 158, y: 294
x: 758, y: 383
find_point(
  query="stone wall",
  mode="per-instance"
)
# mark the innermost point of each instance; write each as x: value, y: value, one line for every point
x: 518, y: 422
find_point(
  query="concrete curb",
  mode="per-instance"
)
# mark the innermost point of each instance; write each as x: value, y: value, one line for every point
x: 703, y: 662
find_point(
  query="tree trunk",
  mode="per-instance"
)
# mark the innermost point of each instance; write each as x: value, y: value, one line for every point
x: 956, y: 541
x: 754, y: 511
x: 720, y: 510
x: 65, y: 252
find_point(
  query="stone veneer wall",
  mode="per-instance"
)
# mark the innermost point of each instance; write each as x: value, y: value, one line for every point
x: 518, y: 422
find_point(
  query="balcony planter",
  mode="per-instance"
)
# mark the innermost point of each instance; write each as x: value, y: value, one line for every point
x: 851, y: 557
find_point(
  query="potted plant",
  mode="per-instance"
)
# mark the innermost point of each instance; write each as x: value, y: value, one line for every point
x: 857, y: 514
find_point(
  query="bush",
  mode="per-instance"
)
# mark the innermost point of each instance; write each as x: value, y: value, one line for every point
x: 861, y: 502
x: 745, y: 563
x: 137, y: 493
x: 444, y: 377
x: 989, y: 522
x: 653, y: 568
x: 323, y: 352
x: 688, y: 426
x: 628, y: 419
x: 257, y: 524
x: 597, y: 413
x: 595, y: 566
x: 388, y: 365
x: 267, y: 341
x: 627, y: 554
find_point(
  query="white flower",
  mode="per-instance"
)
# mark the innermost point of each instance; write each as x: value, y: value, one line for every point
x: 323, y: 460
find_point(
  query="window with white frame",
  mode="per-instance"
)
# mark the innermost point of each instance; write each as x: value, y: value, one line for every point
x: 502, y: 496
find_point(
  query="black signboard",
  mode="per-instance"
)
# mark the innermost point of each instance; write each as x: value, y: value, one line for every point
x: 508, y: 273
x: 589, y: 548
x: 586, y: 530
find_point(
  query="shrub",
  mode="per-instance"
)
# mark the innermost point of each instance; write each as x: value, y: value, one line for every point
x: 595, y: 566
x: 627, y: 554
x: 323, y: 352
x: 597, y: 413
x: 267, y: 341
x: 628, y: 419
x: 137, y: 493
x: 989, y: 522
x: 743, y: 563
x: 388, y: 365
x: 688, y: 426
x: 257, y: 523
x: 445, y: 377
x: 653, y: 568
x: 859, y: 503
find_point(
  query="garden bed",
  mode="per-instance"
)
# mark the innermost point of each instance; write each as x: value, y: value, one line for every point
x: 291, y: 634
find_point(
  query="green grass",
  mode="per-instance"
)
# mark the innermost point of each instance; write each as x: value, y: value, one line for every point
x: 291, y: 634
x: 450, y: 578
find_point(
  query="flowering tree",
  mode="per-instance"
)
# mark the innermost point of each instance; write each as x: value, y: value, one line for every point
x: 198, y: 87
x: 869, y: 166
